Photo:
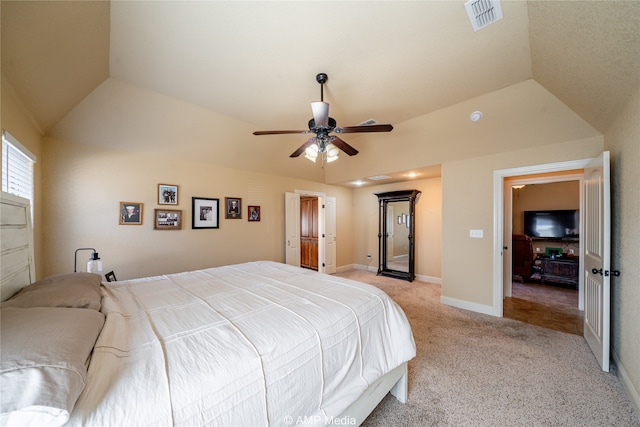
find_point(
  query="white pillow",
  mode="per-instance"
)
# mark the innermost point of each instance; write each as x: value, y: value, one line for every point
x: 73, y: 290
x: 43, y: 362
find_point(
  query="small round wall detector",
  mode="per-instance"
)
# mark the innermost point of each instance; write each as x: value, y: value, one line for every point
x: 476, y: 116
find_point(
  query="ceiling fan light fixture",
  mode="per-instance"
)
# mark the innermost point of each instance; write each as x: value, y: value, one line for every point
x: 332, y: 153
x: 311, y: 152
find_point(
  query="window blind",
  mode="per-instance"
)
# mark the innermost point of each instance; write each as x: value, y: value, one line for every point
x: 17, y: 168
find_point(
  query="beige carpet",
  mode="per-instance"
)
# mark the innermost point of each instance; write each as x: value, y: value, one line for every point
x: 478, y: 370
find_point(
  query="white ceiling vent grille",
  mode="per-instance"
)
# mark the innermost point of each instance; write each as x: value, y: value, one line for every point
x: 379, y: 177
x: 368, y: 122
x: 483, y: 12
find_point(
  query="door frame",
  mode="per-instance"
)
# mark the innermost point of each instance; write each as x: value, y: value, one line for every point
x: 499, y: 220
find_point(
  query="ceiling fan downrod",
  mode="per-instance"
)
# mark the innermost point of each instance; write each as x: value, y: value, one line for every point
x: 322, y: 79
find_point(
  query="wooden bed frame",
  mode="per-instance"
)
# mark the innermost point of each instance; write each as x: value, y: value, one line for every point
x: 18, y: 270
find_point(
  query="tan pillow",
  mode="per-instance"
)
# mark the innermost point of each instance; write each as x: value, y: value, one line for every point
x: 43, y: 362
x: 73, y: 290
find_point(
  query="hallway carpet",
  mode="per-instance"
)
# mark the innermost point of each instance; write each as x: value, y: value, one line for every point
x: 477, y: 370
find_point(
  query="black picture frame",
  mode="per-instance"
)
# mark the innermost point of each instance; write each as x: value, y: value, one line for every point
x: 233, y: 207
x: 205, y: 212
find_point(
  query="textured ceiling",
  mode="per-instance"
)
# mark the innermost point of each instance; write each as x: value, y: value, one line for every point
x: 256, y: 62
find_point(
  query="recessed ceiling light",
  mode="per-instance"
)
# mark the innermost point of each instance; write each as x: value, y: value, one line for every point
x: 412, y: 174
x: 358, y: 182
x: 476, y: 116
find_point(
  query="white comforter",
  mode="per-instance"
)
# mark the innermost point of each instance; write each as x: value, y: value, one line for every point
x: 260, y: 343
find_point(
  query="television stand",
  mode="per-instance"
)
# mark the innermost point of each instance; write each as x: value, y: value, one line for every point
x: 562, y: 270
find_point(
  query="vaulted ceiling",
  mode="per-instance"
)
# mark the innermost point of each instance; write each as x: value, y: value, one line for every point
x: 255, y: 62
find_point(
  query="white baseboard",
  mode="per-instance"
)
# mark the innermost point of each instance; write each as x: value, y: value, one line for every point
x: 466, y: 305
x: 429, y: 279
x: 629, y: 389
x: 374, y: 269
x: 370, y: 268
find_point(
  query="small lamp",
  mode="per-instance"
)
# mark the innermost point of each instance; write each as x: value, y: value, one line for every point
x: 94, y: 265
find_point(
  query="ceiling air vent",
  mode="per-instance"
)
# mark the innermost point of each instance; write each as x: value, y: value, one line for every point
x: 379, y: 177
x: 483, y: 13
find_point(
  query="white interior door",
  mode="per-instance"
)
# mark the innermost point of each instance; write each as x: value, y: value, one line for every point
x: 292, y: 228
x: 390, y: 232
x: 507, y: 244
x: 597, y: 258
x: 321, y: 235
x: 330, y: 235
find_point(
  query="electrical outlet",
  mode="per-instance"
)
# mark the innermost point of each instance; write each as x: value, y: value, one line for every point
x: 571, y: 252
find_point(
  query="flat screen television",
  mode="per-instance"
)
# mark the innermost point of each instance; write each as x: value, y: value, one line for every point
x: 552, y: 225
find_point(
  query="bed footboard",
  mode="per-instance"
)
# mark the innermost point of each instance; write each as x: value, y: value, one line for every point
x: 395, y: 382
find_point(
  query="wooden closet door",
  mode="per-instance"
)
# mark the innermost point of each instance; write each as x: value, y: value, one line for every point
x: 309, y: 232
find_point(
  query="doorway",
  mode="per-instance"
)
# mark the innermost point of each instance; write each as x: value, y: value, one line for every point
x: 502, y: 182
x: 532, y: 293
x: 323, y: 218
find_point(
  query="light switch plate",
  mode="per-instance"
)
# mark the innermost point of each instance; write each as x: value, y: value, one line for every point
x: 476, y: 234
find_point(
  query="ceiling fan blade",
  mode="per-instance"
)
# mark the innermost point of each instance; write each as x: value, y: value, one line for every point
x: 364, y: 128
x: 344, y: 146
x: 320, y: 113
x: 303, y: 147
x: 278, y: 132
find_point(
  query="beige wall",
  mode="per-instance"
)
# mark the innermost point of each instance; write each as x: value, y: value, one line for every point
x: 467, y: 203
x: 16, y: 120
x: 428, y: 226
x: 552, y: 196
x: 623, y: 140
x: 517, y: 117
x: 85, y: 185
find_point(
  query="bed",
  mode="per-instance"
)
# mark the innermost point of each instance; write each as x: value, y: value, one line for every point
x: 257, y: 343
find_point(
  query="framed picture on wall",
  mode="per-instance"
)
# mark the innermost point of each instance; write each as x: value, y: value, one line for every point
x: 167, y: 194
x: 206, y: 212
x: 233, y: 208
x: 254, y: 213
x: 130, y: 213
x: 167, y: 219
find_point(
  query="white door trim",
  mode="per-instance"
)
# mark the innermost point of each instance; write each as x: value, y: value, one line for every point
x: 498, y: 217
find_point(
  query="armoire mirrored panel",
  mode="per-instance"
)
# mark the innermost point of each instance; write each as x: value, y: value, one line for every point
x: 396, y: 234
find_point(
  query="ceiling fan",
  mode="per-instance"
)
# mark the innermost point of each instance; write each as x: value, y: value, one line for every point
x: 322, y: 125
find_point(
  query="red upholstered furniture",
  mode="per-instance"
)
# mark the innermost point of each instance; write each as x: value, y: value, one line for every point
x: 522, y: 260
